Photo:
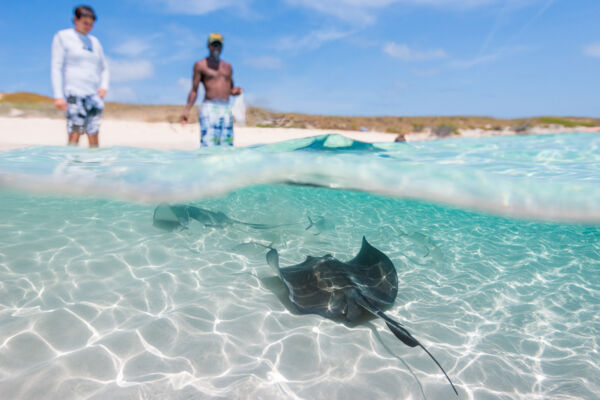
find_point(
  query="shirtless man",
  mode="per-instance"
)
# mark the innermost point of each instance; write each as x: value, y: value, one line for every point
x: 216, y: 75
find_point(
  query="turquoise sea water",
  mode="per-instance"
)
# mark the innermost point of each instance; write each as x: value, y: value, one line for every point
x: 496, y: 243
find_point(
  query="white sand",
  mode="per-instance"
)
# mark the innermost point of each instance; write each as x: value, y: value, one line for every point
x: 22, y: 132
x: 18, y: 131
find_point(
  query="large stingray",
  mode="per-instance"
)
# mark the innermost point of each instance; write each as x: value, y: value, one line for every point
x: 172, y: 217
x: 331, y: 288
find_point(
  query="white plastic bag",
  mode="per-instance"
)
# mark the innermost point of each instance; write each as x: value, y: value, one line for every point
x: 238, y: 109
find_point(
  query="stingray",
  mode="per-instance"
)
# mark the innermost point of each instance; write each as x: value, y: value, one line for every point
x: 335, y: 289
x: 172, y: 217
x: 320, y: 224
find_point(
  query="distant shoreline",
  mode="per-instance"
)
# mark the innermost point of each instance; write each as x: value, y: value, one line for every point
x: 24, y: 114
x: 19, y: 132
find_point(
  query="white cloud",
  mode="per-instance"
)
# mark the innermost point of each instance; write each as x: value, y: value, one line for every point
x: 132, y: 47
x: 199, y: 7
x: 362, y: 10
x: 405, y: 53
x: 311, y: 41
x: 488, y: 58
x: 130, y: 70
x: 592, y: 50
x: 122, y: 94
x: 264, y: 62
x: 349, y: 10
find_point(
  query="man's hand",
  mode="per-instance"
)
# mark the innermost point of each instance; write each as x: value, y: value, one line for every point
x: 61, y: 104
x: 102, y: 93
x: 236, y: 91
x: 184, y: 118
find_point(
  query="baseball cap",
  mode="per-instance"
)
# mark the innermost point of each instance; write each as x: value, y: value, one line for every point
x: 215, y: 37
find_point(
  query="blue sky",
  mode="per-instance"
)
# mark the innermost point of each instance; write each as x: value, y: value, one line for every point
x: 502, y: 58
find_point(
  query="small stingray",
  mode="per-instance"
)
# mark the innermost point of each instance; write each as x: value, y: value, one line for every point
x: 331, y: 288
x: 172, y: 217
x: 320, y: 224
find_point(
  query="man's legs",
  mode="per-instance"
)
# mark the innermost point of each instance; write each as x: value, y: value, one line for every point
x: 227, y: 128
x: 207, y: 129
x: 92, y: 126
x: 83, y: 120
x: 75, y: 119
x: 216, y: 124
x: 93, y: 139
x: 74, y: 138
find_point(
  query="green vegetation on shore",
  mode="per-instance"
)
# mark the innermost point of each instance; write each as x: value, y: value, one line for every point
x: 35, y: 105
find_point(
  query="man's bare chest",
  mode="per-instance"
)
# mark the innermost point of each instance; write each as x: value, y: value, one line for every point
x: 222, y: 73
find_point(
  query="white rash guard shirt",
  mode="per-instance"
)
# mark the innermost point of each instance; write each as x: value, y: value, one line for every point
x: 78, y: 65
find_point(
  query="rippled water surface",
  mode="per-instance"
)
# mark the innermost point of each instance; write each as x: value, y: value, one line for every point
x: 96, y: 302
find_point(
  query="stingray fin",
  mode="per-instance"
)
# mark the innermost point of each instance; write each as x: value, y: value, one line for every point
x: 368, y: 255
x: 273, y: 260
x: 170, y: 217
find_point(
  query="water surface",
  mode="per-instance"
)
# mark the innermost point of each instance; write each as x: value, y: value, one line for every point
x: 496, y: 243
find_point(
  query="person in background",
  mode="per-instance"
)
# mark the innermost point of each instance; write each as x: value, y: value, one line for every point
x: 400, y: 138
x: 216, y: 75
x: 80, y: 77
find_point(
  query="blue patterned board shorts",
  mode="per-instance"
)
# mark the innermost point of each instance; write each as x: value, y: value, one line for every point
x: 216, y: 124
x: 84, y: 114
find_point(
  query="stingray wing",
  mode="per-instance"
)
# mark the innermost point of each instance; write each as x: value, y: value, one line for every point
x: 315, y: 286
x: 209, y: 218
x: 374, y: 275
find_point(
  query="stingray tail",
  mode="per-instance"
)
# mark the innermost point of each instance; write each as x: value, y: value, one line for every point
x: 255, y: 226
x: 401, y: 333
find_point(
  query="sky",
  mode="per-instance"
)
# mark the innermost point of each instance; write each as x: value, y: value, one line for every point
x: 499, y: 58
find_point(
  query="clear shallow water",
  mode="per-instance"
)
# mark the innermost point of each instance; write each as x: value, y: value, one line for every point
x: 97, y: 303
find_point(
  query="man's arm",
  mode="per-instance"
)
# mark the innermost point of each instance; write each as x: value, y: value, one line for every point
x: 56, y: 72
x: 193, y: 92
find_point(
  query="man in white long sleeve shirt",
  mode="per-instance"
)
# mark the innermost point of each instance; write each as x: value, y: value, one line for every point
x: 80, y: 77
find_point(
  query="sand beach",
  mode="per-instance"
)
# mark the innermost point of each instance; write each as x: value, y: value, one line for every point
x: 22, y: 131
x: 16, y: 132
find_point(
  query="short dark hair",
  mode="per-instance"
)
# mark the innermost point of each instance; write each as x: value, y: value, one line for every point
x: 84, y: 11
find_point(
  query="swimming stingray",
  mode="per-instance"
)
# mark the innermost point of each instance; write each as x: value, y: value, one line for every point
x: 172, y: 217
x: 319, y: 225
x: 331, y: 288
